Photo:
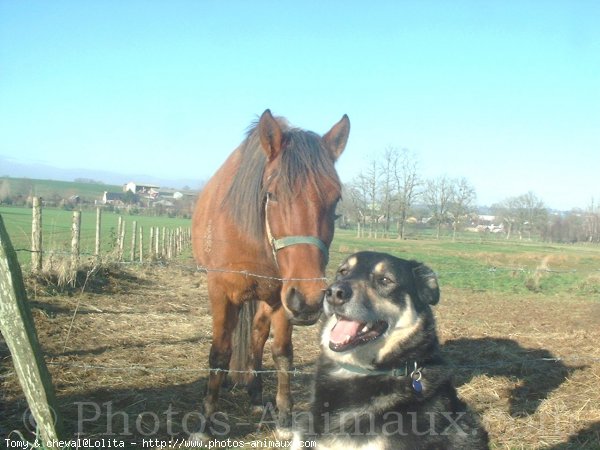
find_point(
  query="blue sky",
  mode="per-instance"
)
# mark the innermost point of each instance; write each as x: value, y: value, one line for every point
x: 505, y: 94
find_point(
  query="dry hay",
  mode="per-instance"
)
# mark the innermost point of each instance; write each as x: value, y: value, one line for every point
x: 138, y: 346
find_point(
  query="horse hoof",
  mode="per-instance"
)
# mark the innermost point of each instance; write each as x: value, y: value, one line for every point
x: 198, y: 440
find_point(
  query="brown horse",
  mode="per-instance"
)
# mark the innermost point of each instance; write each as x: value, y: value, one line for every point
x: 261, y: 229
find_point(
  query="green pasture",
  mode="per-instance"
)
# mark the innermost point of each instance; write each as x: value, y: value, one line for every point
x: 56, y: 229
x: 484, y: 264
x: 475, y: 262
x: 63, y: 189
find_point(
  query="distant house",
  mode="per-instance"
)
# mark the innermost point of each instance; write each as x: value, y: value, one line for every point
x: 112, y: 198
x: 486, y: 224
x: 484, y: 219
x: 177, y: 194
x: 144, y: 190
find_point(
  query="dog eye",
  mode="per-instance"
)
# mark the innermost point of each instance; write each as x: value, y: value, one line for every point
x: 343, y: 271
x: 385, y: 281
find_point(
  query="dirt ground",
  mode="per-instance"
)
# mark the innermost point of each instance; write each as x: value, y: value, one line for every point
x: 129, y: 357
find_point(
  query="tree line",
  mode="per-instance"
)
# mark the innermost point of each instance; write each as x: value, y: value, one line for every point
x: 391, y: 194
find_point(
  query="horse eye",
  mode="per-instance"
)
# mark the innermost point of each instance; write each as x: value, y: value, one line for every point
x: 271, y: 197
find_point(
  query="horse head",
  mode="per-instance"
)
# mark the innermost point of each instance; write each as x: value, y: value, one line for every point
x: 301, y: 190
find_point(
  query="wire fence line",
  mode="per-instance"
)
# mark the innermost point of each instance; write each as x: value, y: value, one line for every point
x: 175, y: 240
x: 575, y: 359
x: 486, y: 271
x: 491, y: 271
x: 496, y: 364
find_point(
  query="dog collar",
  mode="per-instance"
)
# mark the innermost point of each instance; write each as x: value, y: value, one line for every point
x: 415, y: 375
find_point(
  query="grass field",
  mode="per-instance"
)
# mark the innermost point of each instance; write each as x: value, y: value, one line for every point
x: 56, y: 224
x: 497, y: 265
x: 62, y: 189
x: 472, y: 261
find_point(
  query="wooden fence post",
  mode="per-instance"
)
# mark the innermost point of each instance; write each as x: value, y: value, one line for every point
x: 36, y: 236
x: 133, y: 239
x: 121, y: 237
x: 75, y: 235
x: 152, y: 255
x: 141, y: 244
x: 157, y: 243
x: 169, y: 244
x: 17, y: 326
x: 98, y: 229
x: 179, y: 240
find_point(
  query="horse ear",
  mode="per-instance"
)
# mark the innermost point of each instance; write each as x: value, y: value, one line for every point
x: 270, y: 135
x: 335, y: 140
x: 428, y: 288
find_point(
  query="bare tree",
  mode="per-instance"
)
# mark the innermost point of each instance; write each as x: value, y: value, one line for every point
x: 506, y: 211
x: 438, y: 196
x: 406, y: 184
x: 524, y: 213
x: 462, y: 202
x: 387, y: 170
x: 592, y: 223
x: 347, y: 208
x: 359, y: 193
x: 534, y: 213
x: 371, y: 179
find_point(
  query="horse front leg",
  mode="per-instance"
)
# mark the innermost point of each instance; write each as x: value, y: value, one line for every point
x: 283, y: 355
x: 260, y: 333
x: 224, y: 321
x: 225, y: 316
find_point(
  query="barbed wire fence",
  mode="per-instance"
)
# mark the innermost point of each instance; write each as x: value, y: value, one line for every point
x: 164, y: 251
x: 193, y: 268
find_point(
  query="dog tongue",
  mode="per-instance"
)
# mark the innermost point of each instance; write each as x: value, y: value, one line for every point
x: 344, y: 330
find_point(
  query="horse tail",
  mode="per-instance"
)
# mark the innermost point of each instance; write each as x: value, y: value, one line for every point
x: 240, y: 365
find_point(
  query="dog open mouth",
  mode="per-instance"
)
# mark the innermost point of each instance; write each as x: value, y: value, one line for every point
x: 347, y: 334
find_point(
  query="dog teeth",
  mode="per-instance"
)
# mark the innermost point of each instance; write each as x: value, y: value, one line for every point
x: 365, y: 329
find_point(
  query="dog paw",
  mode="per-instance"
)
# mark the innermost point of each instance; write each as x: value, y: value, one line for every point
x: 284, y: 434
x: 198, y: 440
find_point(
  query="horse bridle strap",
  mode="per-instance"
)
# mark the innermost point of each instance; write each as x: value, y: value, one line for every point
x: 278, y: 244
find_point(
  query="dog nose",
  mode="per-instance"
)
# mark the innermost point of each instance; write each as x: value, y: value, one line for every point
x: 338, y: 294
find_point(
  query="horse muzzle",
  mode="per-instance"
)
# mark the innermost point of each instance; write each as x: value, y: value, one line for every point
x: 300, y: 311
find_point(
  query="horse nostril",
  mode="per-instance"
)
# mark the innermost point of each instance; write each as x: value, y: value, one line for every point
x: 295, y: 302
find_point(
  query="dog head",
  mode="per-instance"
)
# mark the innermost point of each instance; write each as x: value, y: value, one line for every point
x: 376, y: 302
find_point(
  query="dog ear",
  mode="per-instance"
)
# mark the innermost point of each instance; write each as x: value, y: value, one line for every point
x: 428, y: 288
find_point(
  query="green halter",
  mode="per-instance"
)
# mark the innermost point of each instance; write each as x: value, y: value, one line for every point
x: 278, y: 244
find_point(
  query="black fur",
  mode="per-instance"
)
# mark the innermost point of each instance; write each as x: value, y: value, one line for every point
x: 364, y: 395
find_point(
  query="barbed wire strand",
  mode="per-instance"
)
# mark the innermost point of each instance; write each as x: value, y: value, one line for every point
x: 296, y: 371
x: 199, y: 268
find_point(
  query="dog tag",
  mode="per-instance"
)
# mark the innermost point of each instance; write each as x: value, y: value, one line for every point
x: 417, y: 386
x: 416, y: 379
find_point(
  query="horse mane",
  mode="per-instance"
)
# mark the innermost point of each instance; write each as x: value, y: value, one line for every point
x: 304, y: 161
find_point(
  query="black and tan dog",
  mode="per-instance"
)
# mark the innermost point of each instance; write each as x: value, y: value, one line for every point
x: 380, y: 383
